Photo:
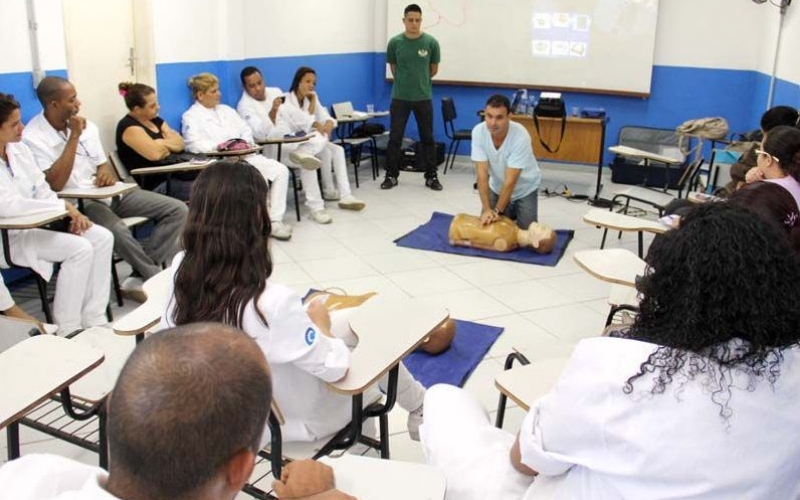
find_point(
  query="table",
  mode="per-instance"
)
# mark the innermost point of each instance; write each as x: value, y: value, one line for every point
x: 45, y: 364
x: 241, y: 152
x: 609, y: 219
x: 647, y: 157
x: 527, y: 383
x: 280, y: 141
x: 30, y: 222
x: 350, y: 119
x: 615, y: 265
x: 373, y: 479
x: 185, y: 166
x: 97, y: 193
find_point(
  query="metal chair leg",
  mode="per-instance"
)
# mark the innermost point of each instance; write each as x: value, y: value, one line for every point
x: 42, y: 285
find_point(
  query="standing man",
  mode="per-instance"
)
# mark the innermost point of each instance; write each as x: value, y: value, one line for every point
x: 508, y: 174
x: 67, y: 149
x: 413, y: 57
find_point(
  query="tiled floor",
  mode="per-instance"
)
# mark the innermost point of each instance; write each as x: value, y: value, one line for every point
x: 544, y: 310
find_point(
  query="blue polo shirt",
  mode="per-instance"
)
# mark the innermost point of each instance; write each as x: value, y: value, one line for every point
x: 515, y: 152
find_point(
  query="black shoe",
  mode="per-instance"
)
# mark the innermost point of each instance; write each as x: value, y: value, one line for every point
x: 433, y: 183
x: 389, y: 182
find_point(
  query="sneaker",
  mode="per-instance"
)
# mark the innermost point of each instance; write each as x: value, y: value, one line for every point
x: 414, y: 421
x: 433, y: 183
x: 305, y: 160
x: 389, y: 182
x: 350, y: 202
x: 281, y: 231
x: 133, y: 288
x: 321, y: 216
x: 332, y: 195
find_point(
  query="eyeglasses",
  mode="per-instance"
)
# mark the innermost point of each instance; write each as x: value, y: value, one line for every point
x: 762, y: 152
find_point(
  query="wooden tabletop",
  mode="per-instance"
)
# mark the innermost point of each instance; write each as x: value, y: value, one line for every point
x: 240, y: 152
x: 148, y: 314
x: 32, y: 221
x: 525, y: 384
x: 387, y: 331
x: 375, y: 479
x: 614, y: 265
x: 622, y: 222
x: 284, y: 140
x: 98, y: 193
x: 40, y: 366
x: 185, y: 166
x: 640, y: 153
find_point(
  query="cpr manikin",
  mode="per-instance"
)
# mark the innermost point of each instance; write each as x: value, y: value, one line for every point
x: 503, y: 235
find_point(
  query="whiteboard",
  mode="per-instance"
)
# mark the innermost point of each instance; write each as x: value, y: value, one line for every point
x: 603, y: 46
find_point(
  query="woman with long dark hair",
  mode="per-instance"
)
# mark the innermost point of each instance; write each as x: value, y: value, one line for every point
x: 700, y: 398
x: 223, y: 275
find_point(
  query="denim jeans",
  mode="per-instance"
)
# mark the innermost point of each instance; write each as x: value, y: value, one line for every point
x: 524, y: 210
x: 423, y: 114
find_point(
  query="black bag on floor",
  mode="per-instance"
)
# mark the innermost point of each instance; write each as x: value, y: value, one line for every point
x: 412, y: 160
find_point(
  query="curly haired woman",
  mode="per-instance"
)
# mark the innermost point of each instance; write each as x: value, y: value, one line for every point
x: 699, y: 400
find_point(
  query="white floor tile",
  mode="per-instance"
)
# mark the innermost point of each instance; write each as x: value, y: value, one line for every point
x: 428, y: 281
x: 469, y: 305
x: 569, y: 323
x: 486, y: 272
x: 337, y: 269
x: 528, y: 295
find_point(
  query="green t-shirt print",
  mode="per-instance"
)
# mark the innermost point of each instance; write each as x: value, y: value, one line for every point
x: 413, y: 57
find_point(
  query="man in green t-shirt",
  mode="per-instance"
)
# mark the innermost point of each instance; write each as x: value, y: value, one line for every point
x: 413, y: 57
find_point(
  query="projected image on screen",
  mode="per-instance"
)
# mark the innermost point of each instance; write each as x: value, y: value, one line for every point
x: 560, y: 35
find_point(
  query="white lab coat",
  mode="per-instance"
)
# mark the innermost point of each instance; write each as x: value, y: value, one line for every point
x: 51, y: 477
x: 205, y: 128
x: 82, y: 289
x: 6, y: 300
x: 590, y: 440
x: 47, y: 144
x: 295, y: 116
x: 256, y: 114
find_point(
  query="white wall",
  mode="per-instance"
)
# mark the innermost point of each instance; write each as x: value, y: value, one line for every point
x: 191, y: 30
x: 788, y: 67
x: 16, y: 54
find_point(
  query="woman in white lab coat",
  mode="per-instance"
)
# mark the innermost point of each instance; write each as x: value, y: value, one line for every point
x: 317, y: 119
x: 84, y: 251
x: 207, y: 124
x: 223, y: 275
x: 708, y: 373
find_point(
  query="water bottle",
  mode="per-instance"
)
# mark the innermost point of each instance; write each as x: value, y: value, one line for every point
x: 532, y: 103
x: 523, y: 102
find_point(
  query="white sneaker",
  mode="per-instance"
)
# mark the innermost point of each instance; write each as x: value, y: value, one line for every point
x: 305, y: 160
x: 133, y: 288
x: 281, y: 231
x: 350, y: 202
x: 330, y: 195
x: 321, y: 216
x: 414, y: 421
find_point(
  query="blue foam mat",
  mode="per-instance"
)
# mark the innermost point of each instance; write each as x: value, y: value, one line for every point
x: 433, y: 236
x: 470, y: 344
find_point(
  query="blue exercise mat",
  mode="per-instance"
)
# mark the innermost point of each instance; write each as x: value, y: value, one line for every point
x: 470, y: 344
x: 433, y: 236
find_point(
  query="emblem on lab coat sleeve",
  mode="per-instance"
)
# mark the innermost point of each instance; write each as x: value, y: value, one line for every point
x: 311, y: 335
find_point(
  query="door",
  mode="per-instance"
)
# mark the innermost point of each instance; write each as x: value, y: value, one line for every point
x: 107, y: 42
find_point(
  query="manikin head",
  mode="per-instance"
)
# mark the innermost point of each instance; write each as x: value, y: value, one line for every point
x: 538, y: 236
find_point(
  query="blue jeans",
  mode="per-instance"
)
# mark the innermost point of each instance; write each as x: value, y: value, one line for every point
x: 423, y: 113
x: 524, y: 210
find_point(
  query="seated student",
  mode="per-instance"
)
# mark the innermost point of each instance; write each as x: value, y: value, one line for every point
x: 207, y: 124
x: 778, y: 160
x: 707, y: 374
x: 259, y: 107
x: 223, y: 275
x: 145, y: 140
x: 775, y: 205
x: 67, y: 148
x: 315, y: 118
x: 171, y: 437
x: 9, y: 308
x: 84, y: 250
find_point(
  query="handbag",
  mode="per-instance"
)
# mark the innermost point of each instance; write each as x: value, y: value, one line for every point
x: 550, y: 105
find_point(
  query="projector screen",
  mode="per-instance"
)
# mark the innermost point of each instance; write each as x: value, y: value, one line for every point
x: 602, y: 46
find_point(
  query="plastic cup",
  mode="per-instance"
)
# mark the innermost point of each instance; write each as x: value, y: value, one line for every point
x: 370, y: 108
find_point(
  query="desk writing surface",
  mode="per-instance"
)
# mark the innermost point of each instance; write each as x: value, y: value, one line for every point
x: 645, y: 155
x: 614, y: 265
x: 582, y: 138
x: 374, y: 479
x: 284, y: 140
x: 525, y: 384
x: 148, y: 314
x: 184, y: 166
x: 40, y: 366
x: 387, y: 331
x: 96, y: 385
x: 98, y: 193
x: 622, y: 222
x: 32, y: 221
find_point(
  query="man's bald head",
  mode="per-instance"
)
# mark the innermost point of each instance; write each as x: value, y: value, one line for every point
x: 50, y: 89
x: 187, y: 400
